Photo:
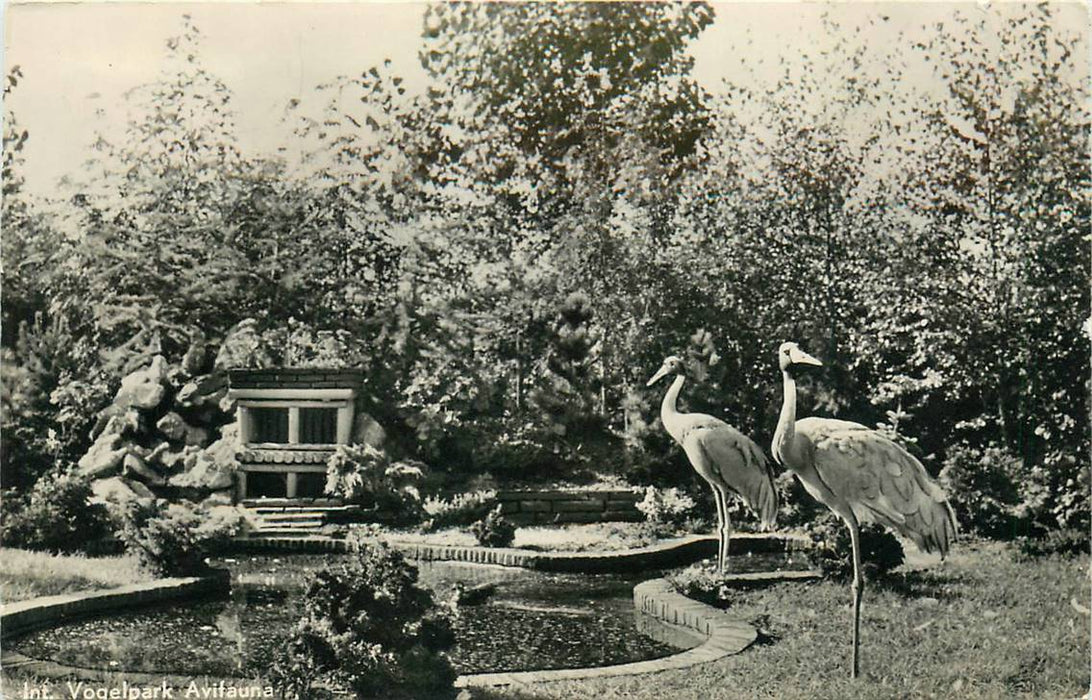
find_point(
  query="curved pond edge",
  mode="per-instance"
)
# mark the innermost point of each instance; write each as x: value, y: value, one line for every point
x: 657, y: 597
x: 724, y: 636
x: 676, y: 552
x: 25, y: 616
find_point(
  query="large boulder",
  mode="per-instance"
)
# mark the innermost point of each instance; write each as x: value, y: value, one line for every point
x: 118, y: 489
x: 173, y: 426
x: 177, y: 429
x: 144, y: 388
x: 197, y: 359
x: 204, y: 390
x: 104, y: 457
x: 133, y: 465
x: 214, y: 467
x: 224, y: 449
x: 368, y: 431
x: 177, y: 460
x: 243, y: 346
x: 217, y: 499
x: 117, y: 420
x: 206, y: 475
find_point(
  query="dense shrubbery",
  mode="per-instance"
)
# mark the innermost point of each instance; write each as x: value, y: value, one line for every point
x: 832, y: 550
x: 494, y: 530
x: 982, y: 485
x: 668, y: 509
x: 1066, y: 542
x: 56, y: 515
x: 515, y: 339
x: 174, y: 539
x: 369, y: 627
x: 461, y: 509
x: 363, y: 475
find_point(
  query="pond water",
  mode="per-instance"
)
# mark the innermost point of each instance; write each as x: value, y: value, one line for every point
x: 532, y: 621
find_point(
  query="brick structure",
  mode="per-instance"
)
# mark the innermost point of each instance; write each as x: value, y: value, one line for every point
x: 290, y: 422
x: 544, y: 507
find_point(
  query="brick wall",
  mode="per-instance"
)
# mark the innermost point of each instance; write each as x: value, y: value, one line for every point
x: 295, y: 378
x: 543, y: 507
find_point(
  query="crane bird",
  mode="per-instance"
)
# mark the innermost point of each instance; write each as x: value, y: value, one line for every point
x: 862, y: 476
x: 723, y: 456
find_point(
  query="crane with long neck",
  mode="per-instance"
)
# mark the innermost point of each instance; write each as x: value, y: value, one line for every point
x: 861, y: 475
x: 727, y: 459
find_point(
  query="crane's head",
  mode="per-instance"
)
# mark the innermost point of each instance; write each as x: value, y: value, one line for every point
x: 790, y: 355
x: 672, y: 365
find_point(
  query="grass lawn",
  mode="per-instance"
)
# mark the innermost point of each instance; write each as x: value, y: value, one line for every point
x: 980, y: 625
x: 26, y: 574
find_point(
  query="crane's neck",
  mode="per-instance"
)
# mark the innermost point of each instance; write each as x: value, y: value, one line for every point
x: 786, y: 422
x: 668, y: 413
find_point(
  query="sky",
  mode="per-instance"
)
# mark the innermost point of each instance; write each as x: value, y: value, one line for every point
x: 78, y: 59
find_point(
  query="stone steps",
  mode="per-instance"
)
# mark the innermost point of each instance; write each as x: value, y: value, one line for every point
x: 292, y: 518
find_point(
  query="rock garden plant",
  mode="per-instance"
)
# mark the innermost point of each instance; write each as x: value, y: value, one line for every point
x: 368, y: 627
x: 57, y: 515
x: 174, y: 539
x: 494, y: 530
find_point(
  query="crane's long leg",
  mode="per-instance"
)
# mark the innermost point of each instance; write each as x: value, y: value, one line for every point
x: 857, y: 588
x: 721, y: 515
x: 725, y: 527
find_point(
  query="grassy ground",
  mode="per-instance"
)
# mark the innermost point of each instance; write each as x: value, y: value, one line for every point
x: 26, y: 574
x: 555, y: 538
x: 980, y: 625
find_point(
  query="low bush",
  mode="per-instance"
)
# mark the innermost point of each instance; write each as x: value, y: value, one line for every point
x: 174, y: 539
x: 494, y: 530
x: 668, y: 508
x: 363, y: 475
x: 706, y: 584
x: 462, y: 509
x: 982, y: 486
x: 368, y: 627
x: 1069, y: 542
x: 56, y: 516
x: 832, y: 550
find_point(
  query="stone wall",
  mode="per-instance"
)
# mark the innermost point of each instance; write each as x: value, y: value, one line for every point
x: 546, y: 507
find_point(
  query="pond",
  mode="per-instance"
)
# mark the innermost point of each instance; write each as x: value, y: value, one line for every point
x: 531, y: 621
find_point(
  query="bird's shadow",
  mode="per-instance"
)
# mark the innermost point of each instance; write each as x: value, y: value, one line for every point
x: 920, y: 584
x: 764, y: 636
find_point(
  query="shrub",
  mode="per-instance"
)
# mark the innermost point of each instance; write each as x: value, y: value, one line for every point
x: 56, y: 516
x: 1068, y: 542
x: 1055, y: 494
x: 832, y: 550
x: 494, y: 530
x: 703, y: 583
x: 669, y: 508
x: 367, y: 626
x: 982, y: 487
x: 462, y: 509
x: 174, y: 539
x: 365, y: 475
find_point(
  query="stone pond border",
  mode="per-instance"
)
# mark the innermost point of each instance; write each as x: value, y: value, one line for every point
x: 683, y: 550
x: 27, y: 615
x: 656, y: 597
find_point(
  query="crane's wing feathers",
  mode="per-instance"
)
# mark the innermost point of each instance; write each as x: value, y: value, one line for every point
x: 881, y: 482
x: 721, y: 452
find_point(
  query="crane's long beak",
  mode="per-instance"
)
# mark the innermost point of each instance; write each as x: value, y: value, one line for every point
x: 799, y: 357
x: 659, y: 375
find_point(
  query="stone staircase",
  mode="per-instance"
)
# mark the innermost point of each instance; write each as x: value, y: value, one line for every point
x: 292, y: 518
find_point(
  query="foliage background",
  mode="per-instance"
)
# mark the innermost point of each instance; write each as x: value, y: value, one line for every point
x: 511, y: 253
